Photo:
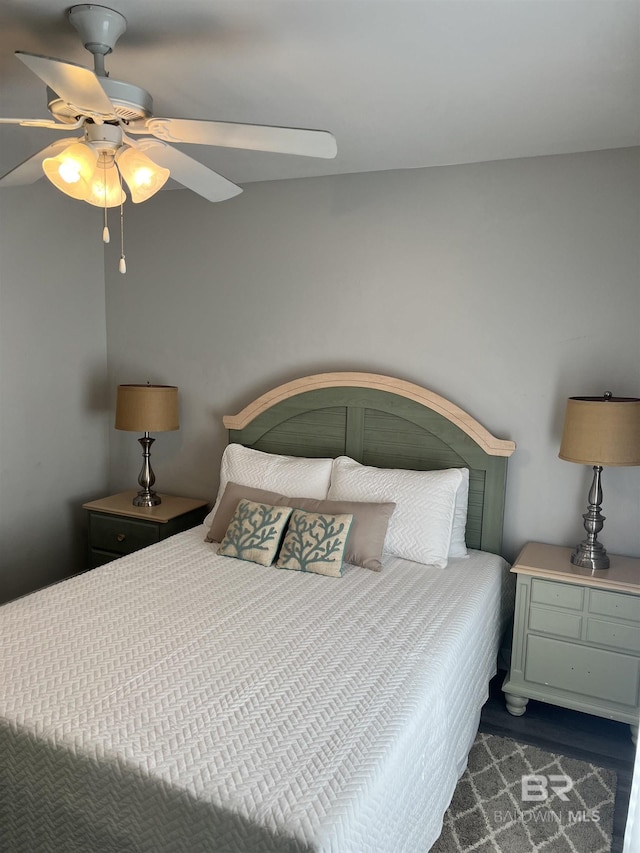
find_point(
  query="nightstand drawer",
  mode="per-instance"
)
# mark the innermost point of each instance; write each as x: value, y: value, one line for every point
x: 615, y: 604
x: 558, y: 594
x: 555, y: 622
x: 614, y: 634
x: 582, y: 669
x: 99, y: 558
x: 121, y: 535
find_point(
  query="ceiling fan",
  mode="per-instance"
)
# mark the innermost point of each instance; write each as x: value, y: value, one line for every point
x: 121, y: 138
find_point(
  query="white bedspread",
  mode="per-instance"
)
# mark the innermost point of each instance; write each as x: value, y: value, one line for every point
x: 175, y: 700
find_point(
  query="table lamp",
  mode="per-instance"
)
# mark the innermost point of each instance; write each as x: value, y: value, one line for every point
x: 147, y: 408
x: 599, y: 431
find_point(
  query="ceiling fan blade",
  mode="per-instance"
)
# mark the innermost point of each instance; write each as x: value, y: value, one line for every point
x: 255, y: 137
x: 29, y: 171
x: 49, y: 124
x: 75, y: 84
x: 189, y: 172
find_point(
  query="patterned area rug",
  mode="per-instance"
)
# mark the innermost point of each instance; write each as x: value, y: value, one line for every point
x: 515, y: 798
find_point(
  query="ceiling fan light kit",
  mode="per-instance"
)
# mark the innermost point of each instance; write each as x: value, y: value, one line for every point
x: 92, y: 169
x: 86, y: 170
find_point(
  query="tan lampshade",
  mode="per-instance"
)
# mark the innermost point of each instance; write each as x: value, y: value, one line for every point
x: 601, y: 431
x: 147, y: 408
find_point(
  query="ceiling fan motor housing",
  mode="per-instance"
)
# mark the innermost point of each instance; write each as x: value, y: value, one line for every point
x: 130, y: 102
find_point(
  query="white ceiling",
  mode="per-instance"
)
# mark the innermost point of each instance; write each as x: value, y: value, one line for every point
x: 401, y: 83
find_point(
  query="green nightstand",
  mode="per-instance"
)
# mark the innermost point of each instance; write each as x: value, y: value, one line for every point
x: 116, y: 527
x: 576, y: 635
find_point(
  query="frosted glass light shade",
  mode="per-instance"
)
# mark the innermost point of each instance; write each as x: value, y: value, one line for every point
x: 104, y: 187
x: 143, y: 177
x: 71, y: 170
x: 147, y: 408
x: 602, y: 431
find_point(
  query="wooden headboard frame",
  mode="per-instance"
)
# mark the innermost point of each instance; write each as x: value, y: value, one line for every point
x: 386, y: 422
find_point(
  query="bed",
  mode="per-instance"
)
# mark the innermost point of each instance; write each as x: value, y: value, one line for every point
x: 178, y: 699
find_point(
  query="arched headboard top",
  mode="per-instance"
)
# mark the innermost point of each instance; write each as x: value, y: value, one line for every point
x: 482, y: 437
x: 387, y: 423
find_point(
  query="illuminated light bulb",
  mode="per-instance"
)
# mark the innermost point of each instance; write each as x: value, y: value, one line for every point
x: 143, y: 177
x: 71, y: 170
x: 104, y: 187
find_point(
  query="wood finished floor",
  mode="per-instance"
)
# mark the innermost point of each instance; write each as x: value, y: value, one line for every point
x: 606, y: 743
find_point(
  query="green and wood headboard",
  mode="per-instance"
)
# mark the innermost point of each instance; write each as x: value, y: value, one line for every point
x: 386, y: 422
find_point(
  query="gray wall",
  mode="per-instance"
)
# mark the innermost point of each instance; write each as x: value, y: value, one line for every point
x: 506, y: 287
x: 53, y: 418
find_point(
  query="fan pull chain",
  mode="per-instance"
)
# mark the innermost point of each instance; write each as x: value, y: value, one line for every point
x: 106, y: 237
x: 122, y: 265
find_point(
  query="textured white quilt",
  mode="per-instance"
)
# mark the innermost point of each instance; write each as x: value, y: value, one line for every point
x: 175, y: 700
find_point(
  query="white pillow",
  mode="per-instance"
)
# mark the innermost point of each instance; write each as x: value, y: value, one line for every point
x: 295, y: 476
x: 458, y: 546
x: 420, y: 528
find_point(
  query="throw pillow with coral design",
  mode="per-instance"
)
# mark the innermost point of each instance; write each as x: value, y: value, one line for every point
x: 315, y: 542
x: 255, y: 532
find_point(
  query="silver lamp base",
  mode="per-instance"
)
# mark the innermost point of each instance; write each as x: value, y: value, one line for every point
x: 146, y: 496
x: 590, y: 554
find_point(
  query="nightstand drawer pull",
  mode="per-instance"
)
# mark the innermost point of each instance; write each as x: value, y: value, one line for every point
x: 558, y: 594
x: 120, y: 537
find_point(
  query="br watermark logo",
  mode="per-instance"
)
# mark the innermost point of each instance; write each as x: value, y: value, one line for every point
x: 538, y: 788
x: 535, y: 787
